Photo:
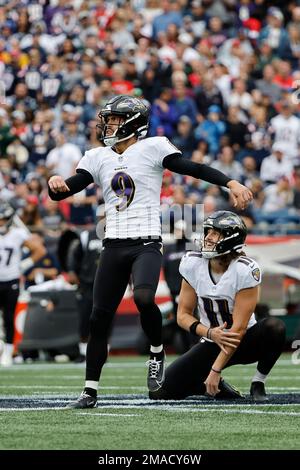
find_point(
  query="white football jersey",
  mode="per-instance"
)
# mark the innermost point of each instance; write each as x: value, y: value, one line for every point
x: 11, y: 253
x: 216, y: 300
x: 131, y: 185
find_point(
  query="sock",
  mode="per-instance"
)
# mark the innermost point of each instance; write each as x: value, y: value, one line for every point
x: 258, y: 377
x: 82, y: 348
x: 158, y: 352
x: 156, y: 349
x: 91, y: 388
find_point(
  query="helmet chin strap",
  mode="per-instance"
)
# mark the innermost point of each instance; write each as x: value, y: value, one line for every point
x: 112, y: 140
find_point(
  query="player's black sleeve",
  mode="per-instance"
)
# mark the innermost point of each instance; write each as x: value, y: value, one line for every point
x: 76, y: 184
x: 175, y: 162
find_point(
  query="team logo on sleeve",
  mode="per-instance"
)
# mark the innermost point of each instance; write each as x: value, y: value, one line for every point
x: 256, y: 274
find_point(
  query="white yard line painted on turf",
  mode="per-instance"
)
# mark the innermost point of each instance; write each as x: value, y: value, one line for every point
x: 121, y: 365
x: 107, y: 414
x: 250, y: 412
x: 272, y: 377
x: 113, y: 387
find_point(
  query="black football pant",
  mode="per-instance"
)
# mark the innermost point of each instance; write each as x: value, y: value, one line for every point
x: 263, y: 342
x: 9, y: 293
x: 121, y: 261
x: 85, y: 306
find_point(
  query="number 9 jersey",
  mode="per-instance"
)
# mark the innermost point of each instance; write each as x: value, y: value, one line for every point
x: 131, y: 184
x: 216, y: 300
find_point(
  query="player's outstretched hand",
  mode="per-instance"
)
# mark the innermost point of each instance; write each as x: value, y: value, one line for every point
x: 58, y: 185
x: 240, y: 194
x: 224, y: 338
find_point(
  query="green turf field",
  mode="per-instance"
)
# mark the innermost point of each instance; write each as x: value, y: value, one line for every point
x: 126, y: 419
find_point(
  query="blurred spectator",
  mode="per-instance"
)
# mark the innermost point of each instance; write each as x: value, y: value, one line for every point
x: 184, y: 139
x: 63, y: 159
x: 276, y: 165
x: 169, y: 16
x: 164, y: 115
x: 30, y: 214
x: 286, y: 130
x: 227, y: 164
x: 266, y: 84
x: 275, y: 32
x: 211, y: 129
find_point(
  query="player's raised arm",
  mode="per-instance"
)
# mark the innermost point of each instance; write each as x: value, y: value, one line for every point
x: 59, y: 189
x: 240, y: 194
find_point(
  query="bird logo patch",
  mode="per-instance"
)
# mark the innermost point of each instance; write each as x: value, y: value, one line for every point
x: 256, y: 274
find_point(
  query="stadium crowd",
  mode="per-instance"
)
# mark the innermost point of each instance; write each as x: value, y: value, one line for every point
x: 222, y: 78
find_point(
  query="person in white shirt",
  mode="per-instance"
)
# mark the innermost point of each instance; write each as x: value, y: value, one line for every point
x: 62, y: 160
x: 129, y: 169
x: 224, y: 284
x: 276, y: 165
x: 12, y: 239
x: 286, y: 129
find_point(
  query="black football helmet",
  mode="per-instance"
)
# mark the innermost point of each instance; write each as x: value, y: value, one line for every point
x: 136, y: 119
x: 6, y: 214
x: 233, y: 231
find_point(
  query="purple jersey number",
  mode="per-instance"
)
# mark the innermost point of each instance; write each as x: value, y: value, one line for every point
x: 123, y: 185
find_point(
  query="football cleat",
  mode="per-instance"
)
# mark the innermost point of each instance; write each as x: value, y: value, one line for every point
x: 258, y: 392
x: 156, y: 373
x: 227, y: 391
x: 159, y: 394
x: 83, y: 402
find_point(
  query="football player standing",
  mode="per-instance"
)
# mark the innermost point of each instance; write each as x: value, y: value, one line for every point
x: 12, y: 239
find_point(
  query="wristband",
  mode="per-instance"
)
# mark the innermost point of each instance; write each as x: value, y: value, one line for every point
x: 216, y: 371
x: 193, y: 327
x: 208, y: 334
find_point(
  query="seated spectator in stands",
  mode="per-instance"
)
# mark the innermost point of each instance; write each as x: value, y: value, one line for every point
x: 266, y: 84
x: 275, y: 32
x: 294, y: 37
x: 285, y: 128
x: 227, y: 164
x: 184, y: 104
x: 250, y: 172
x: 164, y: 116
x: 207, y: 95
x: 30, y: 214
x: 51, y: 215
x: 184, y: 139
x: 236, y: 129
x: 278, y: 196
x: 211, y: 129
x: 276, y: 165
x: 240, y: 96
x: 62, y: 160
